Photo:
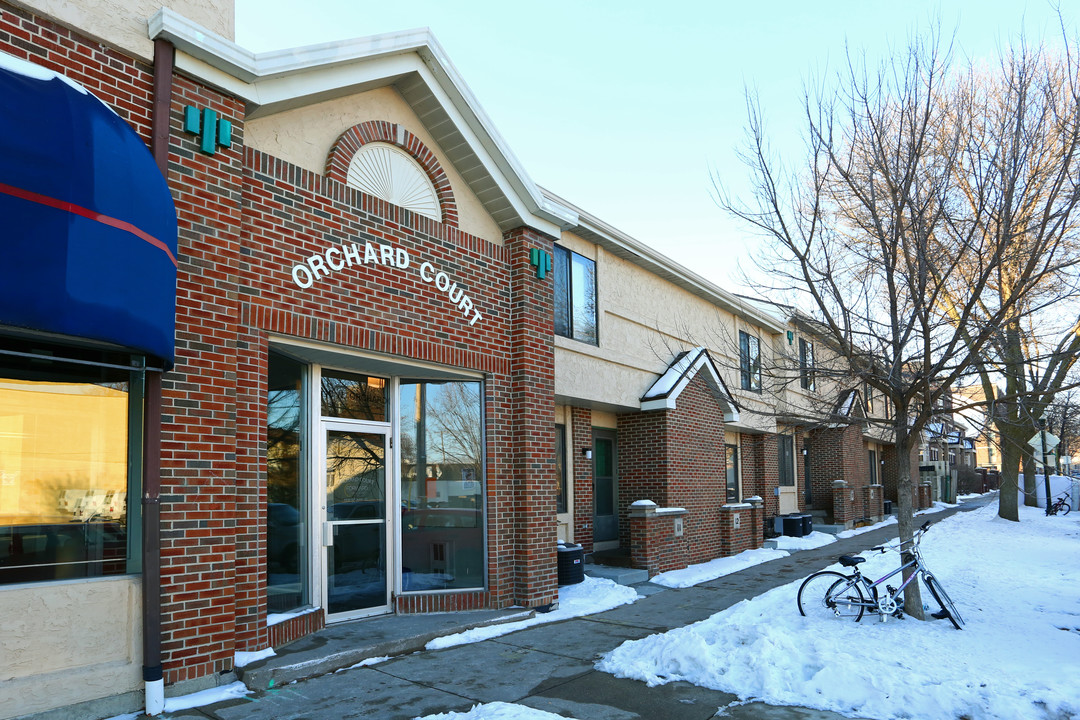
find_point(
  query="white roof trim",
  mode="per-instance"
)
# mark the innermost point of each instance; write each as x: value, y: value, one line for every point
x: 315, y: 73
x: 622, y: 245
x: 664, y: 393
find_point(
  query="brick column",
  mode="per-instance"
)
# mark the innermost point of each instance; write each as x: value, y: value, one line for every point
x: 654, y: 545
x: 532, y: 436
x: 211, y: 569
x: 842, y: 503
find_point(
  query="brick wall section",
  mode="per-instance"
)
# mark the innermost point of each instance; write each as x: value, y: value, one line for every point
x: 295, y: 628
x: 653, y: 545
x: 531, y: 424
x: 581, y: 437
x: 124, y: 84
x: 839, y: 454
x: 890, y: 470
x: 697, y: 466
x: 761, y: 470
x: 643, y: 463
x: 676, y: 458
x: 747, y: 536
x: 200, y: 524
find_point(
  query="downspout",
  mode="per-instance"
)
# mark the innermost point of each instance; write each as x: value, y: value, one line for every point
x: 153, y: 676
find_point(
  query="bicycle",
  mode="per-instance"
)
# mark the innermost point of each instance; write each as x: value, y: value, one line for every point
x: 1060, y: 506
x: 831, y: 593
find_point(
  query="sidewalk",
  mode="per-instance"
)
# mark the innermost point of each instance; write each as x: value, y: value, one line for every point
x: 549, y: 667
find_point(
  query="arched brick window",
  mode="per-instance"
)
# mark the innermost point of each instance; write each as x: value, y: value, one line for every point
x: 387, y: 161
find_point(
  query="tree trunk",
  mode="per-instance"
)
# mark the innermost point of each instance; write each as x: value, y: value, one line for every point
x: 1031, y: 496
x: 1010, y: 473
x: 905, y: 514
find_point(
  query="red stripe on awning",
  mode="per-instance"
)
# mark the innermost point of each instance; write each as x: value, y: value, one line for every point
x: 89, y: 214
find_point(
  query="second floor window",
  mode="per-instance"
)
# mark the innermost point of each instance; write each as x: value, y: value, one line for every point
x: 575, y: 296
x: 750, y: 362
x: 806, y: 365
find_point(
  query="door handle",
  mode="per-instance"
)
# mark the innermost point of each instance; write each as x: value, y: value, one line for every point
x: 327, y: 534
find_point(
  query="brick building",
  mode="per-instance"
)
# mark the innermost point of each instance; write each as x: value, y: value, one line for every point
x: 351, y: 359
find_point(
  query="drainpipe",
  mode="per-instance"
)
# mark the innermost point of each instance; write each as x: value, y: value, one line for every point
x: 153, y: 676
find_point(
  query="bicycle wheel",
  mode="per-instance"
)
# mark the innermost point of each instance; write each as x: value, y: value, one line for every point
x: 943, y: 600
x: 1065, y: 508
x: 831, y: 594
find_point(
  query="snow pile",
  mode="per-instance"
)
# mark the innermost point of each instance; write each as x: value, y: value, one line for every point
x: 713, y: 569
x: 206, y: 697
x: 1018, y: 656
x: 242, y: 658
x: 496, y: 711
x: 591, y: 596
x: 807, y: 542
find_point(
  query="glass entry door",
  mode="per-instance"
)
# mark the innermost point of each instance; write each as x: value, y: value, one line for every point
x: 355, y: 529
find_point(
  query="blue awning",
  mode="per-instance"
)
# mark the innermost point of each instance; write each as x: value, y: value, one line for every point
x: 87, y: 222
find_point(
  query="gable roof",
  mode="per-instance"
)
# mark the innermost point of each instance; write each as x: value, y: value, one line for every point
x: 413, y: 63
x: 664, y: 393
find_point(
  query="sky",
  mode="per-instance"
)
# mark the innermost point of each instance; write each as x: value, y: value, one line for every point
x: 631, y: 109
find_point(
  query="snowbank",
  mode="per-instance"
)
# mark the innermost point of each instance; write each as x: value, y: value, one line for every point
x: 1018, y: 657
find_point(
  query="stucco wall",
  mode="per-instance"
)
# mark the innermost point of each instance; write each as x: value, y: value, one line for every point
x: 304, y: 137
x: 122, y: 23
x: 69, y: 642
x: 644, y: 321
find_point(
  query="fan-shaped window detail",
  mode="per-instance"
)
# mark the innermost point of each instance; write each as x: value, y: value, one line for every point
x: 390, y: 174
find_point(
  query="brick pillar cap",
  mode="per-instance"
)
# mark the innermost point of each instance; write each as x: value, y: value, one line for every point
x: 642, y: 508
x: 839, y: 483
x: 755, y: 500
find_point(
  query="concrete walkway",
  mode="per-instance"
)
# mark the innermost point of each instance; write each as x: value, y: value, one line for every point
x: 549, y: 667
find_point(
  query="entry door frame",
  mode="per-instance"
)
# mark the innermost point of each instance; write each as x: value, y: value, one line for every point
x: 326, y: 526
x: 612, y: 436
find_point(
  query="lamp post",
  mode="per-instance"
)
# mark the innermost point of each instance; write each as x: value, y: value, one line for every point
x: 1046, y: 470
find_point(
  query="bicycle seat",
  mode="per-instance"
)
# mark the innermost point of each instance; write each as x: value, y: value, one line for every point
x: 851, y: 560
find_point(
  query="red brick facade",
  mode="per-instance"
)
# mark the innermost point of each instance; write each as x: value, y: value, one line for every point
x: 580, y: 436
x: 246, y: 219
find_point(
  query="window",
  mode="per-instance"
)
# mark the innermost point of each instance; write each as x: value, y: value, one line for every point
x: 786, y: 460
x: 868, y: 398
x: 442, y: 489
x: 286, y: 506
x: 575, y: 296
x: 750, y: 362
x: 873, y: 468
x: 560, y: 467
x: 70, y: 462
x: 806, y: 365
x: 732, y: 473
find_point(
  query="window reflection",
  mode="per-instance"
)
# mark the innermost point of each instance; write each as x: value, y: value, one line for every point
x: 63, y: 470
x: 286, y: 549
x: 351, y: 396
x: 441, y: 485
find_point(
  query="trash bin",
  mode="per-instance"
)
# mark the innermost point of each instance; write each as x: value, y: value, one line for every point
x: 888, y: 507
x: 793, y: 525
x: 807, y: 524
x: 571, y: 564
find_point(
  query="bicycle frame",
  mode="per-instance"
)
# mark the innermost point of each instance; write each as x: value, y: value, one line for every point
x: 890, y: 603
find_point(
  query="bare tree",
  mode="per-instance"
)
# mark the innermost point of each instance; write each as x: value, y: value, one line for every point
x: 1017, y: 177
x: 866, y: 234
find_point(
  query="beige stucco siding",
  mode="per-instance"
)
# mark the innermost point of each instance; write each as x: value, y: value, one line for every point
x: 123, y: 23
x: 644, y: 322
x: 68, y: 642
x: 304, y: 137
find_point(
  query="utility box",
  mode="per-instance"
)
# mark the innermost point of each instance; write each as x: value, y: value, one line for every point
x: 571, y: 569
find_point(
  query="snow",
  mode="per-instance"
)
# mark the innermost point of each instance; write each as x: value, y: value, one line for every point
x: 713, y: 569
x: 242, y: 658
x: 1059, y: 485
x: 206, y: 697
x: 497, y: 711
x: 366, y: 662
x: 807, y: 542
x: 591, y: 596
x: 1017, y: 657
x: 275, y: 618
